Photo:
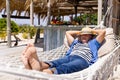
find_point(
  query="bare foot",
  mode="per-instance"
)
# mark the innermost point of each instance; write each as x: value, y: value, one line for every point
x: 25, y: 62
x: 28, y: 45
x: 35, y: 64
x: 32, y: 58
x: 31, y: 52
x: 24, y: 58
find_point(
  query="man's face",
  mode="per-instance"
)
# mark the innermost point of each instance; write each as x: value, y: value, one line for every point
x: 85, y: 38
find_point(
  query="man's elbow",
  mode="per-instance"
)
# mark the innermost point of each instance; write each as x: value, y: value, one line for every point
x: 103, y: 32
x: 68, y: 33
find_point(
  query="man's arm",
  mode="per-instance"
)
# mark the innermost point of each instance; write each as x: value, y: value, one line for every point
x: 100, y: 34
x: 70, y: 36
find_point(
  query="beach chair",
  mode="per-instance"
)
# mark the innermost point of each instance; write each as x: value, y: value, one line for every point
x: 103, y: 69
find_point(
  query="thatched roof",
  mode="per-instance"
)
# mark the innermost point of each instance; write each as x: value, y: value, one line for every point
x: 58, y: 7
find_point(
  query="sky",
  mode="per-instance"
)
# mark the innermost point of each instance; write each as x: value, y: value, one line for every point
x: 27, y: 21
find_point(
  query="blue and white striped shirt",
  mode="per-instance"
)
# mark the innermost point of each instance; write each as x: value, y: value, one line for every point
x: 83, y: 51
x: 90, y: 49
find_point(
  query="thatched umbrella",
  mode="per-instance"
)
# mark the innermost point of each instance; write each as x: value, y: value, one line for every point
x: 40, y: 6
x: 58, y: 7
x: 75, y: 4
x: 14, y: 5
x: 62, y: 7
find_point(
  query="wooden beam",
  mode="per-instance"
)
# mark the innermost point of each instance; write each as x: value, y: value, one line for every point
x: 71, y: 11
x: 14, y: 16
x: 79, y: 8
x: 81, y: 4
x: 80, y: 0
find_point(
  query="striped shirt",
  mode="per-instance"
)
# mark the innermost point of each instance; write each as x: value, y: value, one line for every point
x: 83, y: 51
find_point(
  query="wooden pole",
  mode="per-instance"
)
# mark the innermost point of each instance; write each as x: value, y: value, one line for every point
x: 39, y: 19
x: 47, y: 31
x: 99, y: 11
x: 115, y: 16
x: 8, y: 23
x: 48, y: 12
x: 31, y: 13
x: 31, y: 16
x: 75, y: 7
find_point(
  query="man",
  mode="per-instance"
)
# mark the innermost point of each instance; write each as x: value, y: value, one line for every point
x: 82, y: 53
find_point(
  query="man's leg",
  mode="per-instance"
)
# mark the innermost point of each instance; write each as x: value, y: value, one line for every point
x: 67, y: 65
x: 56, y: 63
x: 25, y: 59
x: 75, y: 64
x: 32, y: 60
x: 25, y: 62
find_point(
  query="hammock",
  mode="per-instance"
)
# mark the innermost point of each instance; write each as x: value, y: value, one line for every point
x: 12, y: 67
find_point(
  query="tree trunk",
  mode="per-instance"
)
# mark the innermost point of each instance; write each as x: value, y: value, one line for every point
x: 38, y: 30
x: 16, y: 40
x: 37, y: 35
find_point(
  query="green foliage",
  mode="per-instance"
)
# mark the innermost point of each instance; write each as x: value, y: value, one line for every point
x: 93, y: 18
x: 77, y: 19
x: 89, y: 19
x: 25, y: 35
x: 14, y: 27
x: 32, y: 31
x: 3, y: 24
x: 3, y: 35
x: 3, y: 28
x: 41, y: 30
x: 26, y: 29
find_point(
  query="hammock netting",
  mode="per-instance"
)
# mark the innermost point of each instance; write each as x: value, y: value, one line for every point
x: 12, y: 68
